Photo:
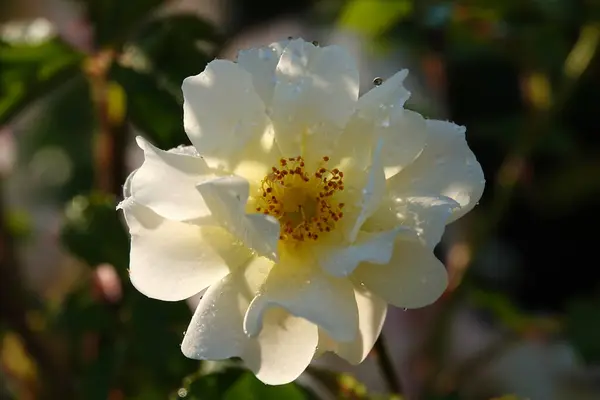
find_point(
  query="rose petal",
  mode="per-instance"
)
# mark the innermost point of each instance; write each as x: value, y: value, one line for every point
x: 278, y: 355
x: 222, y: 113
x: 172, y: 260
x: 305, y: 291
x: 372, y: 310
x: 226, y: 197
x: 315, y: 95
x: 182, y: 172
x: 373, y: 247
x: 261, y: 63
x: 414, y: 278
x: 447, y: 167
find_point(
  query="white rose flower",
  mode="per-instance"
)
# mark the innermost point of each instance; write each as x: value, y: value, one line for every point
x: 301, y: 209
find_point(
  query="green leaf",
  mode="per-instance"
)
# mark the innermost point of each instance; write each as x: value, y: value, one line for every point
x: 58, y: 145
x: 94, y: 232
x: 248, y: 387
x: 208, y: 387
x: 582, y: 325
x: 151, y: 107
x: 114, y: 20
x: 29, y: 71
x: 373, y: 18
x: 234, y: 383
x: 178, y: 46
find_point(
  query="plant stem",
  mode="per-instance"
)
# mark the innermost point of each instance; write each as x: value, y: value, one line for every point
x: 387, y: 366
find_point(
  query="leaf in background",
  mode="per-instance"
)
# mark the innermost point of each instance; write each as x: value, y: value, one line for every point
x: 56, y: 143
x: 210, y: 386
x: 583, y: 327
x: 373, y: 18
x: 28, y: 71
x: 151, y: 108
x: 93, y: 232
x: 113, y: 20
x: 177, y: 46
x: 234, y: 383
x: 248, y: 387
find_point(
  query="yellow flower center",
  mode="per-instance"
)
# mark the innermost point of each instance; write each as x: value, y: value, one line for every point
x: 304, y: 203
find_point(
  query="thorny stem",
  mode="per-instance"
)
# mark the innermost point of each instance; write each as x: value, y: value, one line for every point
x: 387, y: 367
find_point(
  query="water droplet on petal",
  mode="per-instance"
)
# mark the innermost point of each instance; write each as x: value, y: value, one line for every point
x: 385, y: 123
x: 404, y: 309
x: 377, y: 81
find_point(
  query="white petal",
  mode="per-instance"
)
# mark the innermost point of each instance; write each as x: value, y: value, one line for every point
x: 261, y: 63
x: 373, y: 247
x: 222, y: 113
x: 172, y: 260
x: 391, y: 94
x: 379, y: 114
x: 226, y: 197
x: 414, y: 278
x: 305, y: 291
x: 215, y: 331
x: 278, y: 355
x: 372, y: 310
x: 315, y: 95
x: 446, y: 167
x: 427, y: 216
x: 166, y: 183
x: 371, y: 195
x: 284, y: 349
x: 404, y: 134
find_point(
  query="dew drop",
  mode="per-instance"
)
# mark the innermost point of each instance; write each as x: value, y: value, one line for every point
x: 182, y: 392
x: 377, y: 81
x: 385, y: 123
x: 405, y: 309
x: 315, y: 43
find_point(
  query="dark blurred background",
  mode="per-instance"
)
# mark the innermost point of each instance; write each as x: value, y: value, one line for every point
x: 80, y: 78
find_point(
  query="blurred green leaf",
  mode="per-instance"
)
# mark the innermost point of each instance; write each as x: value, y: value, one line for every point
x: 509, y: 315
x: 64, y: 124
x: 30, y: 71
x: 19, y: 223
x: 151, y: 108
x: 177, y: 46
x: 234, y: 383
x: 114, y: 20
x: 248, y: 387
x: 375, y: 17
x: 567, y: 186
x: 583, y: 327
x: 93, y: 231
x: 211, y: 386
